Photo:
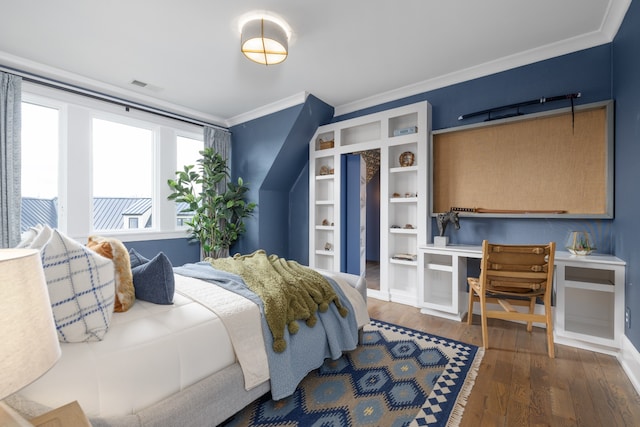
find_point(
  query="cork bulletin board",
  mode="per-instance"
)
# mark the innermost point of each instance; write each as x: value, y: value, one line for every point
x: 554, y: 163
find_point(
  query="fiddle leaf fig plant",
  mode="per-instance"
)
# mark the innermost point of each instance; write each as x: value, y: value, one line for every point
x: 218, y: 213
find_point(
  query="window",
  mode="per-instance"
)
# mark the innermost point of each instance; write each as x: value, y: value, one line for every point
x: 99, y: 168
x: 122, y: 175
x: 39, y: 175
x: 188, y: 153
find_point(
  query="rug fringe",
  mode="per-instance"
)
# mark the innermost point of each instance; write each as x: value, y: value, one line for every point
x: 458, y: 408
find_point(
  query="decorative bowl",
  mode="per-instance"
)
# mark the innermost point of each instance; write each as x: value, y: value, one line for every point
x: 407, y: 158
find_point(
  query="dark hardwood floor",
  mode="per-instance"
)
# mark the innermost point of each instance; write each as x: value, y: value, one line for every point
x: 519, y: 385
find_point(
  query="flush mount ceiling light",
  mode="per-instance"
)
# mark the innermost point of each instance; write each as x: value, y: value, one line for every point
x: 264, y: 41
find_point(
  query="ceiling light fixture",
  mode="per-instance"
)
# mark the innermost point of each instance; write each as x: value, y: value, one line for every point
x: 264, y: 41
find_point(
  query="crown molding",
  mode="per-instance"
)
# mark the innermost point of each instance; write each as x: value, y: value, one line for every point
x: 274, y: 107
x: 608, y: 30
x: 488, y: 68
x: 614, y: 17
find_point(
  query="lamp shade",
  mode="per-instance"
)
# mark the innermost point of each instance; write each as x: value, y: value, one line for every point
x: 264, y: 41
x: 28, y: 341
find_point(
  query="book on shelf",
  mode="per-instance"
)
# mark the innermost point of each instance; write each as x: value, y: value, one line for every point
x: 405, y: 257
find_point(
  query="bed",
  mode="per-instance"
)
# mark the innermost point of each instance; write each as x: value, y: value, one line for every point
x: 180, y: 364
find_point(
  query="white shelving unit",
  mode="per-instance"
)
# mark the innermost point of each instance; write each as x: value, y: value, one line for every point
x: 443, y: 279
x: 403, y: 193
x: 325, y: 211
x: 589, y: 303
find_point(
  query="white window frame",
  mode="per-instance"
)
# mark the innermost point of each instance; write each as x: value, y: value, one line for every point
x: 178, y: 167
x: 74, y: 182
x: 155, y: 130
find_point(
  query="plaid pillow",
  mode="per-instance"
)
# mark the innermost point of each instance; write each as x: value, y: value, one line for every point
x: 81, y: 287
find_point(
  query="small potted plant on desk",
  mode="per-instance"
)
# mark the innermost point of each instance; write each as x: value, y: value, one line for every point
x: 218, y: 213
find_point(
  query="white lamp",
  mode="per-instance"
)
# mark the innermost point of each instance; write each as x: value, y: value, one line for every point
x: 29, y: 344
x: 264, y: 41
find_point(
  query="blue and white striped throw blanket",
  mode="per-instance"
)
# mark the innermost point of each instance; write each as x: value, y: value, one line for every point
x: 307, y: 349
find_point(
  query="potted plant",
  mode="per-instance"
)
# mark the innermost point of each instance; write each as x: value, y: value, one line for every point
x: 218, y: 213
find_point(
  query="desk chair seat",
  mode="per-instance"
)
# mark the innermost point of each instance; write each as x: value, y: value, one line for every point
x: 514, y: 275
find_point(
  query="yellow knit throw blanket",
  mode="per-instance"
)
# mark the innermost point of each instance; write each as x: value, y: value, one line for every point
x: 289, y: 291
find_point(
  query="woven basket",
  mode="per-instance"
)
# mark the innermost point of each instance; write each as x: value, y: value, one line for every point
x: 326, y: 144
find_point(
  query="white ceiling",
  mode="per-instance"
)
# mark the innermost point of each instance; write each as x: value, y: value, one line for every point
x: 349, y: 53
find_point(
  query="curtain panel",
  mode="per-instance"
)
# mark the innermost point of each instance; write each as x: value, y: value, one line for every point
x: 10, y: 127
x: 220, y: 141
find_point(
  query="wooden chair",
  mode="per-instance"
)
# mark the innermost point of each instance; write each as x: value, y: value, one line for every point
x: 514, y: 275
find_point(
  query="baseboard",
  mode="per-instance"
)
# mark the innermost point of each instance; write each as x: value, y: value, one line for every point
x: 451, y: 316
x: 403, y: 298
x: 382, y: 296
x: 629, y: 359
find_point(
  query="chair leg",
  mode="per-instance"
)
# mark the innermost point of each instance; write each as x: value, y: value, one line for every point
x: 485, y: 332
x: 550, y: 344
x: 470, y: 309
x: 532, y: 309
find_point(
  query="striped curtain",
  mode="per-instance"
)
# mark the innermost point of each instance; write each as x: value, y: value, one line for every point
x: 220, y: 141
x: 10, y: 126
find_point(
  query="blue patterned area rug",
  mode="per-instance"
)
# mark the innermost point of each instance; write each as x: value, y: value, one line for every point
x: 396, y: 377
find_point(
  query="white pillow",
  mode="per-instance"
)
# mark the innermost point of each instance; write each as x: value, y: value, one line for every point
x: 27, y: 238
x: 81, y: 286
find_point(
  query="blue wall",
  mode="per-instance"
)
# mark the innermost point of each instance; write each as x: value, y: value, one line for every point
x: 626, y: 227
x: 299, y: 218
x: 587, y: 71
x: 271, y: 154
x: 179, y: 251
x: 350, y: 209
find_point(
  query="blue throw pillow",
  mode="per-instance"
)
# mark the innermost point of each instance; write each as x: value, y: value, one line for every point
x: 154, y: 280
x: 136, y: 258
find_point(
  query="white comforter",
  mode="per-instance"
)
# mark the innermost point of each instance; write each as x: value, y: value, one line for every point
x: 153, y: 351
x: 241, y: 318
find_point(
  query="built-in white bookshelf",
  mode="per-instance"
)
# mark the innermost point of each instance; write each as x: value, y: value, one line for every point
x: 401, y: 134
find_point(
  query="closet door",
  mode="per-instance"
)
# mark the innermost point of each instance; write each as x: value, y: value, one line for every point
x: 353, y: 206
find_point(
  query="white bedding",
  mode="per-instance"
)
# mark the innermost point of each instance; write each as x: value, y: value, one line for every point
x: 153, y: 351
x: 241, y: 318
x: 150, y: 352
x: 349, y: 289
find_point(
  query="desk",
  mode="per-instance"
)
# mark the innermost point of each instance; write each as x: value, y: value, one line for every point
x: 589, y: 293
